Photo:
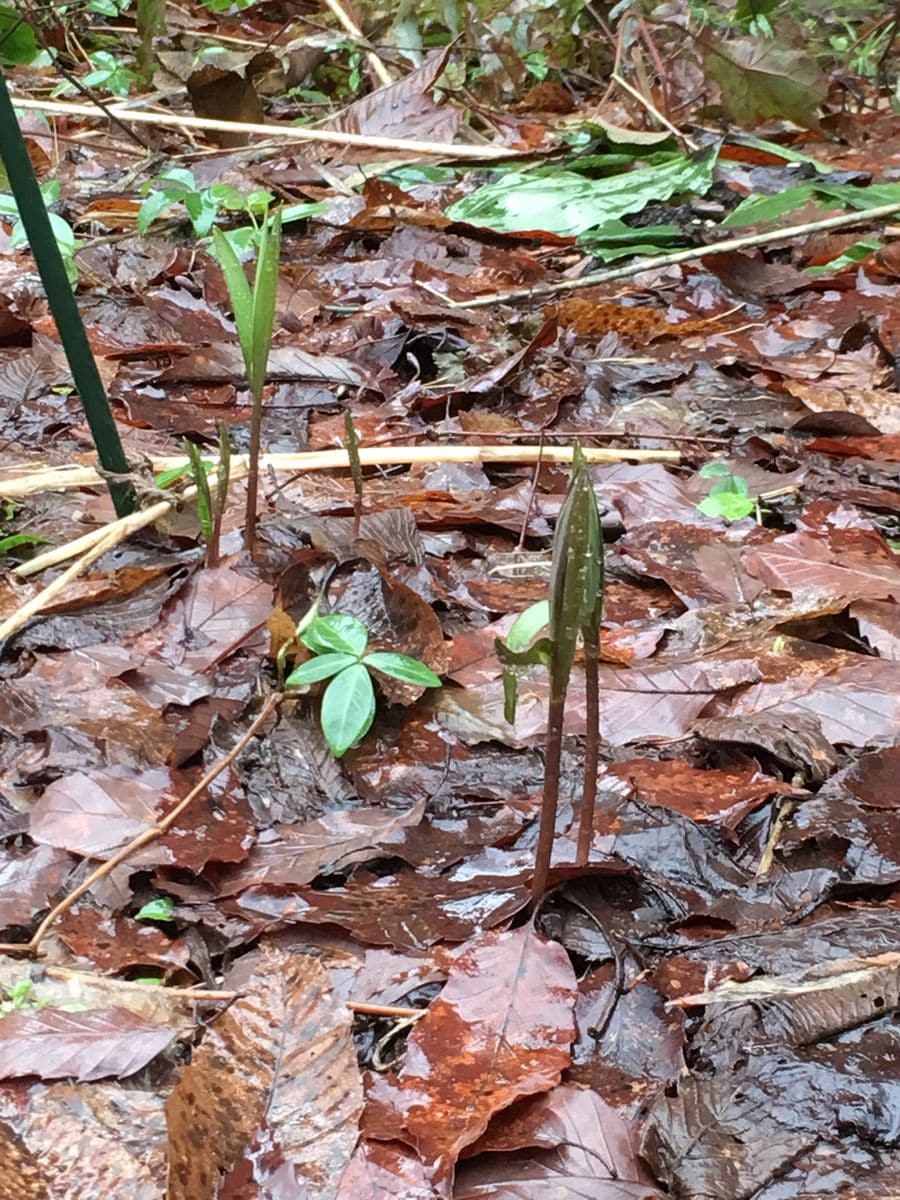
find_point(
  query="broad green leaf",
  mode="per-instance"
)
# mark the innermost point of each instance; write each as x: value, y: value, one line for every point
x: 154, y: 206
x: 769, y: 208
x: 160, y: 909
x: 323, y: 666
x: 614, y: 239
x: 348, y: 709
x: 240, y: 294
x: 401, y: 666
x: 569, y: 204
x: 337, y: 631
x: 17, y: 40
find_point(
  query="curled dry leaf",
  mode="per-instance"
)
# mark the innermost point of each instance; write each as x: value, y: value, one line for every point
x: 501, y: 1029
x: 282, y: 1057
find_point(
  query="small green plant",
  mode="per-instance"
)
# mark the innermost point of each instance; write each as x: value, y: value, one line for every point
x: 575, y: 607
x: 109, y: 73
x: 15, y: 541
x: 20, y: 995
x: 204, y: 206
x: 729, y: 497
x: 159, y: 909
x: 254, y: 315
x: 68, y: 243
x: 339, y: 642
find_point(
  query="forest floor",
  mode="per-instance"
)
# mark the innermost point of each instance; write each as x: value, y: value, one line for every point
x: 707, y: 1009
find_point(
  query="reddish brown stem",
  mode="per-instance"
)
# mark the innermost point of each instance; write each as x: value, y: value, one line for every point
x: 591, y: 747
x: 253, y: 475
x: 550, y: 801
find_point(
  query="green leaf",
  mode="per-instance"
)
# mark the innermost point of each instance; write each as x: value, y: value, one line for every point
x: 154, y: 206
x: 401, y: 666
x: 166, y: 478
x: 614, y: 239
x: 569, y: 204
x: 201, y: 482
x: 160, y: 909
x: 527, y: 625
x: 337, y: 631
x: 348, y: 709
x: 265, y: 289
x: 730, y: 505
x: 240, y: 294
x: 714, y: 470
x: 769, y: 208
x: 17, y: 40
x: 576, y: 573
x: 14, y: 540
x: 321, y: 667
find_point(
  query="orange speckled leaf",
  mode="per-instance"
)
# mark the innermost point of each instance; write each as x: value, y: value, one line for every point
x: 501, y: 1029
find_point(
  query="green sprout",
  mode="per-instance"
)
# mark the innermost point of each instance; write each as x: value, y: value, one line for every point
x: 339, y: 642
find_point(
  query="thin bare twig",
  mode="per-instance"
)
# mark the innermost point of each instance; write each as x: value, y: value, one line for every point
x: 657, y: 261
x: 381, y: 71
x: 654, y: 112
x: 290, y: 133
x: 162, y: 826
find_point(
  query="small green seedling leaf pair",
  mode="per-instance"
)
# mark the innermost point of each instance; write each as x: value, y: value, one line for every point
x: 729, y: 497
x: 348, y: 705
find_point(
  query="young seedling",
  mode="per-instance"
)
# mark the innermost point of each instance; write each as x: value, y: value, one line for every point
x: 575, y: 607
x: 729, y: 497
x: 348, y: 705
x: 254, y: 315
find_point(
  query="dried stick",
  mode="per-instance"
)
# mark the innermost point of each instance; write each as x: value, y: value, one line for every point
x: 143, y: 839
x: 45, y: 479
x: 654, y: 112
x: 318, y: 460
x: 357, y: 34
x: 781, y: 234
x: 292, y: 133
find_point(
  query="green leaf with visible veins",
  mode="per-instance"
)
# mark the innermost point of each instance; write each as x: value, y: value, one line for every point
x: 402, y: 667
x: 348, y: 709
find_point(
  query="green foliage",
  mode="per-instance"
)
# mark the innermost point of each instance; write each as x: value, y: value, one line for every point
x: 21, y: 995
x: 17, y: 40
x: 729, y: 497
x: 224, y: 6
x: 160, y: 909
x: 254, y: 308
x: 254, y: 316
x: 576, y: 573
x: 521, y: 649
x: 68, y: 243
x: 204, y: 206
x: 348, y: 704
x: 569, y: 203
x: 200, y: 476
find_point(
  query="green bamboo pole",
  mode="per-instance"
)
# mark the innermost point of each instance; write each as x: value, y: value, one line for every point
x: 56, y: 283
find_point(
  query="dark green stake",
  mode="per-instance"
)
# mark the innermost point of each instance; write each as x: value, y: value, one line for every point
x: 62, y: 303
